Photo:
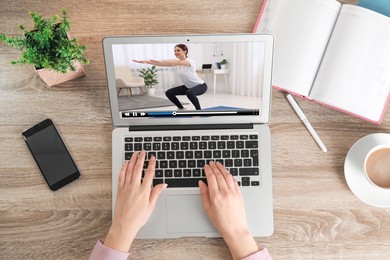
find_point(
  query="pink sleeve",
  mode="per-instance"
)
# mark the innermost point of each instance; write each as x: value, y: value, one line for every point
x: 101, y: 252
x: 261, y: 255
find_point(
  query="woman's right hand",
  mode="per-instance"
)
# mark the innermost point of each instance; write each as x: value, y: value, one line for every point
x: 224, y: 205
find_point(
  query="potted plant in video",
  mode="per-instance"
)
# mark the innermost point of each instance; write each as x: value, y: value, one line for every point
x: 150, y: 78
x: 223, y: 63
x: 48, y: 47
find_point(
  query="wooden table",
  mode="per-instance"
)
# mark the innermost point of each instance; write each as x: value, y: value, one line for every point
x: 316, y: 214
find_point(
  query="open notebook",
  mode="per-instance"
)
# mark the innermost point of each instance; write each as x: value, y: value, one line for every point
x: 337, y: 55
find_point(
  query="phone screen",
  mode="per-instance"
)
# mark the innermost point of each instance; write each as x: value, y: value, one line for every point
x: 51, y: 155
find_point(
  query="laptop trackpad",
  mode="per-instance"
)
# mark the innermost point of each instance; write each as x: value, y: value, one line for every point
x: 185, y: 214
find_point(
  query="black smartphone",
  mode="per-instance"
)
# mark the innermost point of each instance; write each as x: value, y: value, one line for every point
x: 51, y: 154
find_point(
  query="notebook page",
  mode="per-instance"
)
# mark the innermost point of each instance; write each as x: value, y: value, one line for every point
x: 301, y: 29
x: 355, y: 73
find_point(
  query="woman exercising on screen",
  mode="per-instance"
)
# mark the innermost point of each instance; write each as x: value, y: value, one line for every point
x: 192, y: 87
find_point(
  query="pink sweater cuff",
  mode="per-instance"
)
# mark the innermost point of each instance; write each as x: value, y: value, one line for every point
x: 101, y: 252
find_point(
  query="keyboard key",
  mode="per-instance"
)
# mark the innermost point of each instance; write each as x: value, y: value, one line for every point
x: 198, y: 154
x: 138, y: 139
x: 128, y: 156
x: 230, y: 145
x: 251, y: 144
x: 184, y: 146
x: 166, y: 146
x: 207, y: 154
x: 244, y: 137
x: 221, y: 145
x: 138, y: 147
x: 163, y: 164
x: 156, y: 146
x: 249, y: 171
x: 172, y: 164
x: 161, y: 155
x: 159, y: 173
x: 128, y: 147
x: 255, y: 161
x: 240, y: 144
x: 237, y: 162
x: 182, y: 164
x: 187, y: 173
x: 147, y: 146
x: 194, y: 146
x: 157, y: 181
x: 191, y: 163
x: 175, y: 146
x: 177, y: 173
x: 233, y: 171
x: 189, y: 155
x: 184, y: 182
x: 179, y: 155
x: 247, y: 162
x: 212, y: 145
x: 255, y: 183
x: 170, y: 155
x: 168, y: 173
x: 244, y: 153
x: 128, y: 139
x: 196, y: 172
x: 200, y: 163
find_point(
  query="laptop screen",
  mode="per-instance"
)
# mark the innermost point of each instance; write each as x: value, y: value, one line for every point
x: 159, y: 79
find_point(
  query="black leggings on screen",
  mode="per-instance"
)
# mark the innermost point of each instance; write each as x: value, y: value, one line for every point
x: 191, y: 93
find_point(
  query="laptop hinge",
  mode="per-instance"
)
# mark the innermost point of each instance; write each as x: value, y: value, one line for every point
x: 189, y: 127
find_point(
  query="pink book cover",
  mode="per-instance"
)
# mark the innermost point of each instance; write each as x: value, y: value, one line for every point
x: 306, y: 98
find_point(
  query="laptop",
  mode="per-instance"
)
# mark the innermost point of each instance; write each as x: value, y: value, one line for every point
x: 231, y: 127
x: 207, y: 67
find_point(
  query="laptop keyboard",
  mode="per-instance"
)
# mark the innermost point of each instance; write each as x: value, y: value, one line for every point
x: 180, y: 159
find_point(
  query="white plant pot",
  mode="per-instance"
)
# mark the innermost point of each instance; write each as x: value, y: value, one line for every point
x: 223, y: 67
x: 151, y: 91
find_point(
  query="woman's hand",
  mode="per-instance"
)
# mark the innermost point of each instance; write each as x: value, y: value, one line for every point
x: 140, y: 61
x: 224, y: 205
x: 135, y: 201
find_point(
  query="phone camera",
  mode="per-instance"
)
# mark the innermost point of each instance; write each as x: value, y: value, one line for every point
x: 188, y: 40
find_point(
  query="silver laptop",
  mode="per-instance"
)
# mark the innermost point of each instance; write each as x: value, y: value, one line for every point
x: 231, y: 126
x: 207, y: 67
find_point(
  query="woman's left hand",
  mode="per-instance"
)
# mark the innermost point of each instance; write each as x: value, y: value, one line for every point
x: 135, y: 201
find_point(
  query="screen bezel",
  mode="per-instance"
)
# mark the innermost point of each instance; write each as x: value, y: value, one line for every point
x: 267, y: 79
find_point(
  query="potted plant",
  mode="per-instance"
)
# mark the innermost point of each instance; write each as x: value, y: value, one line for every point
x: 48, y: 47
x: 223, y: 63
x: 150, y: 78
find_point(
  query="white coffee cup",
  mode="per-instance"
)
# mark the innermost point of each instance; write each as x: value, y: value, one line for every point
x: 377, y: 166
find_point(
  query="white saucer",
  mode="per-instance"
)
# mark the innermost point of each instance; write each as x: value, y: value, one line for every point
x: 354, y: 171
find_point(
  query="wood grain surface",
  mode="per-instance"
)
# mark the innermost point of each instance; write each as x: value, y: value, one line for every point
x: 316, y: 214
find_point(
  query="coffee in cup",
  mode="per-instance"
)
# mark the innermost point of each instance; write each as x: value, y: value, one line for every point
x: 377, y: 166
